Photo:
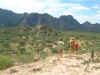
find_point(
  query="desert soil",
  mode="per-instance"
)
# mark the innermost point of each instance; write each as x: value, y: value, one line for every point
x: 67, y: 65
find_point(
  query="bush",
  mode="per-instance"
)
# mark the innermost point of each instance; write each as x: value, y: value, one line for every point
x: 5, y: 62
x: 24, y: 58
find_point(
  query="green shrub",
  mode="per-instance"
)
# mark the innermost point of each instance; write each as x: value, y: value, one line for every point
x: 13, y: 71
x: 22, y: 58
x: 5, y: 62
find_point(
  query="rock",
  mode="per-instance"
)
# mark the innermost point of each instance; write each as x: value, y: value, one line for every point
x: 37, y: 68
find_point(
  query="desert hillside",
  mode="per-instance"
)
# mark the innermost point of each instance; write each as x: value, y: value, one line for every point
x: 67, y: 65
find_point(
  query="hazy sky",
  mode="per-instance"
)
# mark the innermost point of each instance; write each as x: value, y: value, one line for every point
x: 82, y: 10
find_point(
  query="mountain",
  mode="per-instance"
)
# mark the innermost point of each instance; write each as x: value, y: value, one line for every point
x: 87, y: 26
x: 9, y: 18
x: 67, y: 22
x: 87, y: 23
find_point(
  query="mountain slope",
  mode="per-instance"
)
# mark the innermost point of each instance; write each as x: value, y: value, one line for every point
x: 9, y: 18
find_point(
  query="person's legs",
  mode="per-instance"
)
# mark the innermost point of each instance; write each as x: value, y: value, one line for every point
x: 61, y: 53
x: 76, y: 51
x: 72, y: 51
x: 92, y: 55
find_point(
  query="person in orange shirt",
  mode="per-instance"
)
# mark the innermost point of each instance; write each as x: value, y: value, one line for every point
x: 71, y: 45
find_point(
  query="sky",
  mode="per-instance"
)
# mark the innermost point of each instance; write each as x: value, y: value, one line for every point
x: 82, y: 10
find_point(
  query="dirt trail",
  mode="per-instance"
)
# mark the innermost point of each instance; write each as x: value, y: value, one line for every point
x: 68, y: 65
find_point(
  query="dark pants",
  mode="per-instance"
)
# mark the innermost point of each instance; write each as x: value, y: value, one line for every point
x: 92, y: 54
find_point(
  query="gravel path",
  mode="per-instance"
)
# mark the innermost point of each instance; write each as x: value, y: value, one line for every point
x: 68, y: 65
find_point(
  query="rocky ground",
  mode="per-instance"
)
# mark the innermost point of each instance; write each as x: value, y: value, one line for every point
x: 68, y: 65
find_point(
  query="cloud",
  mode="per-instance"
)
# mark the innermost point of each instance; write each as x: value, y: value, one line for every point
x: 80, y: 8
x: 82, y: 18
x: 59, y: 9
x: 39, y: 5
x: 23, y: 5
x: 75, y: 9
x: 98, y: 12
x: 72, y: 0
x: 96, y: 7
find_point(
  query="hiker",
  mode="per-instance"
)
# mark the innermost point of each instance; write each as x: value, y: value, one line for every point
x: 71, y: 45
x: 76, y: 46
x: 60, y: 44
x: 92, y: 50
